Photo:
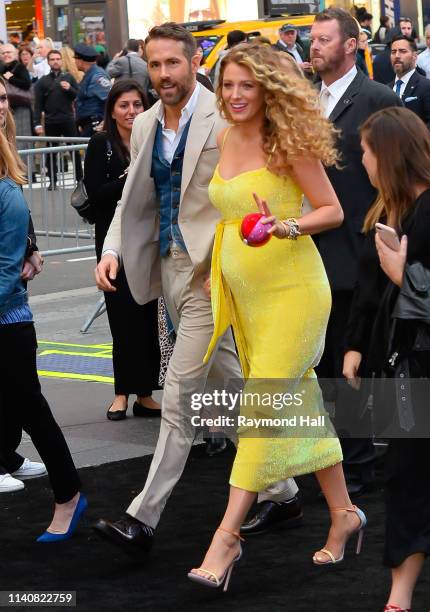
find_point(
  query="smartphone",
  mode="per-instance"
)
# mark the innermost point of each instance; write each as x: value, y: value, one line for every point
x: 388, y: 235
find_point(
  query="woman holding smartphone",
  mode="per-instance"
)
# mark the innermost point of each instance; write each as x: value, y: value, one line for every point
x: 389, y: 328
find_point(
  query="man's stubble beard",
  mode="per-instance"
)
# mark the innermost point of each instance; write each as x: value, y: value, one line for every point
x: 331, y: 65
x: 183, y: 91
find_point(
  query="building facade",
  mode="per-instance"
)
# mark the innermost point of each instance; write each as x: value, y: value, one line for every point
x: 111, y: 22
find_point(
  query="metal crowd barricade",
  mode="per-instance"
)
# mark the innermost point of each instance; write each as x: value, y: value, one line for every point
x: 59, y: 229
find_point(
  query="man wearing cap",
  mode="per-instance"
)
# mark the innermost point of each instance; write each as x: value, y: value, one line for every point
x: 93, y: 90
x: 288, y: 43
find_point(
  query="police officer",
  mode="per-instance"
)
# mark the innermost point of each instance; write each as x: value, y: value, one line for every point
x: 93, y: 90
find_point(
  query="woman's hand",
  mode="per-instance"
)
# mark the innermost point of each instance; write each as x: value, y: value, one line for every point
x: 28, y: 271
x: 278, y: 228
x: 32, y: 266
x: 7, y: 75
x: 351, y: 363
x: 207, y: 286
x: 392, y: 262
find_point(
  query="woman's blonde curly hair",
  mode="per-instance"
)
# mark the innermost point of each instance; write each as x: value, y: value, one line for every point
x: 294, y: 126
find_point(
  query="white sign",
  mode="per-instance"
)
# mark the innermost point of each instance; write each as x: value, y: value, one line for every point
x: 143, y: 15
x: 3, y: 32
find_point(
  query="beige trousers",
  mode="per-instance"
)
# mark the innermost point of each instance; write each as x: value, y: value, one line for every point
x: 191, y: 315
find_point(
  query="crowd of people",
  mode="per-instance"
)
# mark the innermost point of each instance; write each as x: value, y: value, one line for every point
x: 170, y: 175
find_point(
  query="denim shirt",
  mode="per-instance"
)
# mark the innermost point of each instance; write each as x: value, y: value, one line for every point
x: 14, y: 218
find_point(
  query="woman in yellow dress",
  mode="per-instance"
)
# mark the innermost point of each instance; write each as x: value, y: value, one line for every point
x: 276, y: 297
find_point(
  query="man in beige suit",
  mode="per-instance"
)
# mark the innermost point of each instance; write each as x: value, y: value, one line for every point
x: 163, y: 232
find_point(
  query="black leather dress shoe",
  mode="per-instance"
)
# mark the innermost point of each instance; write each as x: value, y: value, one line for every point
x: 130, y: 534
x: 286, y: 514
x: 215, y: 445
x: 143, y: 411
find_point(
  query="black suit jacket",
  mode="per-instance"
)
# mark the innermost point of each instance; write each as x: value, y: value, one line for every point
x: 340, y: 248
x: 382, y: 67
x: 416, y: 96
x: 280, y: 47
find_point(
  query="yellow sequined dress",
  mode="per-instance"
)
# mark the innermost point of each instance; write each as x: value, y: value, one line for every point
x: 277, y: 299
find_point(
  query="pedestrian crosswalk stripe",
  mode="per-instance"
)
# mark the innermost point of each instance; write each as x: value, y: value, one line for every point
x: 88, y: 362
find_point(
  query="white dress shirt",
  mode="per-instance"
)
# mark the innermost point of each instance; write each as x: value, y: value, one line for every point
x: 170, y: 137
x: 424, y: 62
x: 336, y: 90
x: 405, y: 80
x: 293, y: 50
x: 42, y: 68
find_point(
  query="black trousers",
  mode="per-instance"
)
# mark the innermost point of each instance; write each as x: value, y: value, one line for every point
x: 136, y: 349
x: 358, y: 452
x: 10, y: 459
x: 66, y: 128
x: 407, y: 498
x: 22, y: 406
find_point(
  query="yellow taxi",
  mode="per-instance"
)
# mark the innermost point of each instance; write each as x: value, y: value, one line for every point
x: 212, y: 35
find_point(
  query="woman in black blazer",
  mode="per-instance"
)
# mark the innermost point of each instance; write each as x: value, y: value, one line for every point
x: 18, y: 84
x: 134, y: 328
x: 388, y: 335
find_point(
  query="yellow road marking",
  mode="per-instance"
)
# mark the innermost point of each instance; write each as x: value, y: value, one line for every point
x: 98, y: 346
x: 53, y: 352
x: 86, y: 377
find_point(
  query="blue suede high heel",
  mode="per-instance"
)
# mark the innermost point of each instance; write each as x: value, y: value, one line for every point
x: 81, y: 506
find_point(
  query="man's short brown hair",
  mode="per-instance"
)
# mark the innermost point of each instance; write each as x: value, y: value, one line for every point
x: 348, y: 26
x: 53, y: 52
x: 173, y: 31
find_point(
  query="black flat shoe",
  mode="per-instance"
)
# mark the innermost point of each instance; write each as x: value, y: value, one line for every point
x: 116, y: 415
x: 128, y: 533
x: 286, y: 514
x: 142, y: 411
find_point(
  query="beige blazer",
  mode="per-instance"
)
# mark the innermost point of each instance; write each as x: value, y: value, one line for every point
x: 134, y: 231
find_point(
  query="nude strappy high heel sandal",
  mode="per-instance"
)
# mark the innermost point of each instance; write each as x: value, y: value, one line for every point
x: 359, y: 531
x: 394, y: 608
x: 212, y: 580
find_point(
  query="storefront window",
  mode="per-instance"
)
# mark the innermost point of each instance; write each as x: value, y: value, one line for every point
x: 20, y: 20
x: 87, y: 23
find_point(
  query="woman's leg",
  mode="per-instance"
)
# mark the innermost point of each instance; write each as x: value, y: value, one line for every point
x: 119, y: 403
x: 404, y: 578
x: 35, y: 417
x: 343, y: 523
x: 148, y: 402
x: 224, y: 546
x: 135, y: 351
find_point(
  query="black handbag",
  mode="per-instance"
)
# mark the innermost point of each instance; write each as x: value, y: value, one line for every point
x: 17, y: 97
x: 414, y: 298
x: 79, y: 198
